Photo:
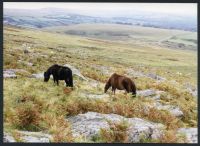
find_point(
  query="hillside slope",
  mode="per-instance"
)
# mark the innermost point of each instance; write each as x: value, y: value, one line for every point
x: 164, y: 110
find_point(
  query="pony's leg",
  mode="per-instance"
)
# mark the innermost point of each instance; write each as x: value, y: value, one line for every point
x: 67, y: 83
x: 57, y: 82
x: 54, y: 80
x: 114, y: 90
x: 126, y: 87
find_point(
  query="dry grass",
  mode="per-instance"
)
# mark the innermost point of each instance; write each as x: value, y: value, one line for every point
x: 117, y: 133
x: 59, y: 128
x: 130, y: 109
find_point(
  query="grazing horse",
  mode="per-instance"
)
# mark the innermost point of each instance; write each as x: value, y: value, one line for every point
x: 121, y: 83
x: 59, y: 73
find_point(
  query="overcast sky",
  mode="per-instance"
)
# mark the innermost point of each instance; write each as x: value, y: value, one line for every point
x: 94, y: 8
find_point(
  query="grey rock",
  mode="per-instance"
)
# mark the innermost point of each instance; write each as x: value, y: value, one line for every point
x: 34, y: 137
x: 147, y: 92
x: 76, y: 72
x: 190, y: 133
x: 103, y: 69
x: 156, y: 77
x: 26, y: 63
x: 9, y: 74
x: 37, y: 76
x: 90, y: 123
x: 45, y: 56
x: 93, y: 83
x: 174, y: 110
x: 29, y: 64
x: 158, y: 95
x: 94, y: 96
x: 133, y: 73
x: 191, y: 89
x: 8, y: 138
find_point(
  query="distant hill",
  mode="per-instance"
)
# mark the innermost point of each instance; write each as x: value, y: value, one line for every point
x: 58, y: 17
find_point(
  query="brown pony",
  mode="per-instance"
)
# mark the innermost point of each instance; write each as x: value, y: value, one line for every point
x: 121, y: 83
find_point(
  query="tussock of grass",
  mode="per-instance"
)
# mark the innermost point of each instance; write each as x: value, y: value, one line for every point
x: 117, y: 133
x: 58, y: 127
x: 170, y: 136
x: 27, y: 117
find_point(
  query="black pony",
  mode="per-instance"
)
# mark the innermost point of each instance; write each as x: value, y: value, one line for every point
x: 59, y: 73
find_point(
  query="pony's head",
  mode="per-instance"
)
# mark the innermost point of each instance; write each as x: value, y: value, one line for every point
x: 134, y: 93
x: 107, y: 86
x: 46, y: 76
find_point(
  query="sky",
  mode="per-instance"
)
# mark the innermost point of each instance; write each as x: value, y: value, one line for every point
x: 189, y: 9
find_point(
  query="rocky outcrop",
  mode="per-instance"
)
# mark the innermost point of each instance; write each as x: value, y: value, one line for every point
x: 190, y: 133
x: 90, y: 123
x: 76, y: 72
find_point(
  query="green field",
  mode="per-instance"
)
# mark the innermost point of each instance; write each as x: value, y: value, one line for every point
x: 129, y: 34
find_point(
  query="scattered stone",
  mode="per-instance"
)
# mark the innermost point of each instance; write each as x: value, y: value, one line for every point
x: 174, y: 110
x: 94, y: 96
x: 147, y: 92
x: 93, y: 83
x: 29, y: 64
x: 26, y: 63
x: 190, y: 133
x: 8, y: 138
x: 156, y: 77
x: 158, y: 95
x: 90, y: 123
x: 37, y: 76
x: 9, y: 74
x: 103, y: 69
x: 75, y: 71
x: 131, y: 72
x: 191, y: 89
x: 37, y: 137
x: 45, y: 56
